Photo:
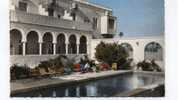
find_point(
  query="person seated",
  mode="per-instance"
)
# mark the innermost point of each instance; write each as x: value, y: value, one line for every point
x: 86, y: 67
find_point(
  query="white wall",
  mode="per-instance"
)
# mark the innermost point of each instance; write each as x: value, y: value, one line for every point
x: 138, y: 49
x: 32, y: 5
x: 104, y: 24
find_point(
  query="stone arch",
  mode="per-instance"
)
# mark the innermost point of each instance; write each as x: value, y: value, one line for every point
x: 153, y: 51
x: 83, y: 45
x: 61, y: 46
x: 15, y: 42
x: 72, y: 44
x: 32, y: 45
x: 47, y: 46
x: 40, y: 36
x: 129, y: 49
x: 51, y: 33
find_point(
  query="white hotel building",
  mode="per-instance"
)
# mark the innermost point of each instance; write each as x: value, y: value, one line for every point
x: 44, y: 29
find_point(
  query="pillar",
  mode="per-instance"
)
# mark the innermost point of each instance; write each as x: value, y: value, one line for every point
x: 40, y: 48
x: 24, y: 48
x: 54, y: 48
x: 78, y: 45
x: 67, y: 45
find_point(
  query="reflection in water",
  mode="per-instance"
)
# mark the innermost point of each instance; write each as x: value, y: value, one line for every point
x: 54, y: 93
x: 66, y: 92
x: 83, y: 90
x: 78, y: 91
x: 100, y: 88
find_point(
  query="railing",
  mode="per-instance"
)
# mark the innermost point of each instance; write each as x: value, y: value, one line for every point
x: 23, y: 17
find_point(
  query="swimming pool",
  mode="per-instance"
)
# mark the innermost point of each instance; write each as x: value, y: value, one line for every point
x: 106, y: 87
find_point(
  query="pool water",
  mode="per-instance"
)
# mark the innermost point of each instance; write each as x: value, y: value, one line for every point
x: 99, y: 88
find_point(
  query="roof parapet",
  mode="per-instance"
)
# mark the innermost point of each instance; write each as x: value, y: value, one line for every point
x: 93, y: 4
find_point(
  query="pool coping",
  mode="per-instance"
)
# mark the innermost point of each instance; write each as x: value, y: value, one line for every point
x: 66, y: 82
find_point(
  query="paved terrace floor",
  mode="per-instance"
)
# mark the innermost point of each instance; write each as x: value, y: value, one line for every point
x: 30, y: 84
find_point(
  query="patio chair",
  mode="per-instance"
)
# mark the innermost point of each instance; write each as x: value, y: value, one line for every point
x: 104, y: 66
x: 114, y: 66
x: 77, y: 67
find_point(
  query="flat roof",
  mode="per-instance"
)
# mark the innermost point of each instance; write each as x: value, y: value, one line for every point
x: 94, y: 5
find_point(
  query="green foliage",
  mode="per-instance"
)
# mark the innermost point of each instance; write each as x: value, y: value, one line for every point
x: 124, y: 64
x: 45, y: 65
x: 112, y: 53
x: 145, y: 66
x: 56, y: 63
x: 18, y: 72
x: 148, y: 66
x: 70, y: 64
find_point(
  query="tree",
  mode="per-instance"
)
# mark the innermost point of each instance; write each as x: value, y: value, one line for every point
x: 110, y: 53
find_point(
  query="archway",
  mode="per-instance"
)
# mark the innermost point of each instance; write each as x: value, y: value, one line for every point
x: 32, y: 46
x: 15, y: 42
x: 128, y: 49
x: 83, y: 45
x: 47, y: 46
x: 61, y: 46
x: 72, y: 45
x: 153, y: 51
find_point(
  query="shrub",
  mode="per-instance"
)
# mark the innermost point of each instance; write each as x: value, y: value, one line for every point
x: 156, y: 66
x: 145, y: 66
x: 148, y: 66
x: 45, y: 65
x: 112, y: 53
x: 125, y: 64
x: 52, y: 63
x: 57, y: 63
x: 70, y: 64
x: 19, y: 72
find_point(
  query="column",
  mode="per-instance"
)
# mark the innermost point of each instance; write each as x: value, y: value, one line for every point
x: 24, y: 48
x: 78, y: 45
x: 54, y: 48
x: 40, y: 48
x: 67, y: 45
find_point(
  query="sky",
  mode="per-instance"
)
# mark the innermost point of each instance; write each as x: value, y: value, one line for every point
x: 137, y: 17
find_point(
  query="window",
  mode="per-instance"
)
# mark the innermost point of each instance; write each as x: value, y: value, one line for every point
x: 73, y: 16
x: 23, y: 6
x: 86, y: 20
x: 95, y: 23
x: 50, y: 12
x: 59, y: 16
x: 111, y: 23
x: 153, y: 51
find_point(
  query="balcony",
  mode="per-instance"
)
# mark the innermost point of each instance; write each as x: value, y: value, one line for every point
x: 23, y: 17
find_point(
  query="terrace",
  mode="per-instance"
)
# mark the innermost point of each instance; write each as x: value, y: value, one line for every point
x: 28, y: 18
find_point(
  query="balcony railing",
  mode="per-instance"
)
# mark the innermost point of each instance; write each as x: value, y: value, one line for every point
x: 23, y: 17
